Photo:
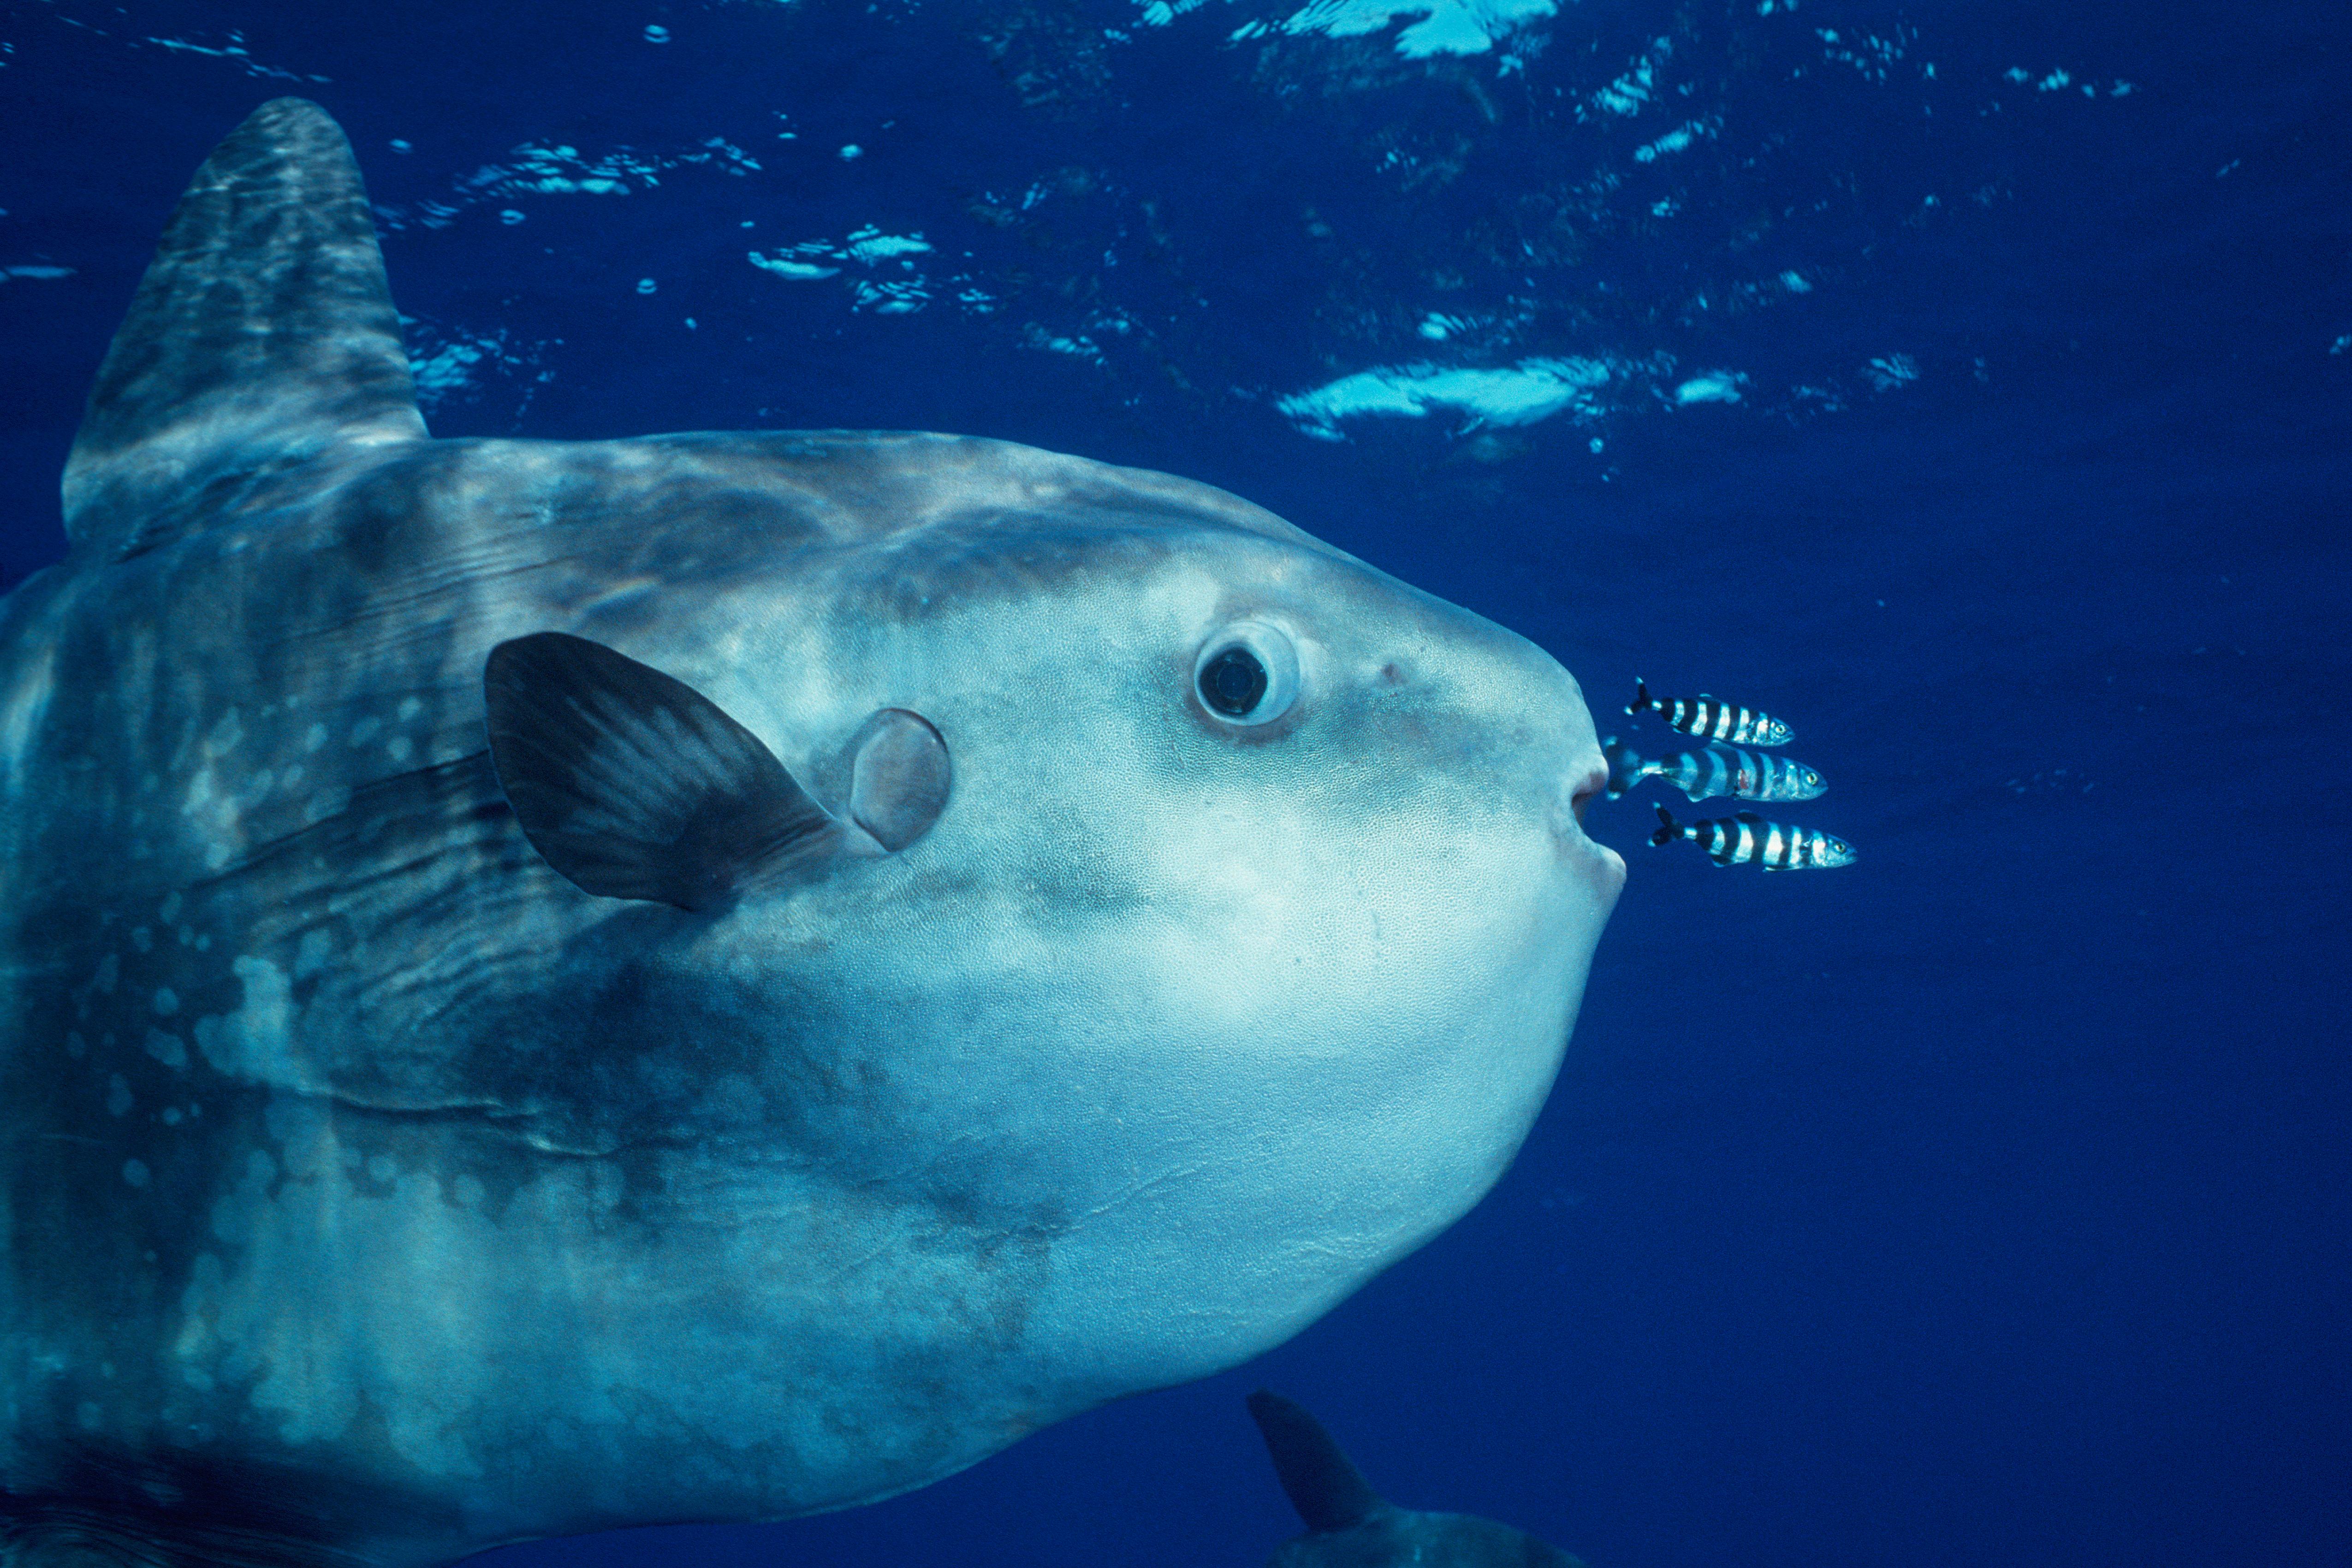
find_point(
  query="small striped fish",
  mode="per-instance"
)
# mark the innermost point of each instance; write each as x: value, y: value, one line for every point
x: 1711, y: 717
x: 1735, y: 840
x: 1717, y: 771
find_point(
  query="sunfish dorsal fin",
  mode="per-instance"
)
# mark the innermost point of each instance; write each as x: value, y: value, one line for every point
x: 262, y: 334
x: 1322, y: 1483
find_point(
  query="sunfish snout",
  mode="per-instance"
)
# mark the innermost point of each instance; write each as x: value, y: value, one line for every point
x: 1538, y: 704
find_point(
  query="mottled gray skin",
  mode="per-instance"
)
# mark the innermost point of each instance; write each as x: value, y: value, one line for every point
x: 1350, y: 1526
x: 372, y: 1191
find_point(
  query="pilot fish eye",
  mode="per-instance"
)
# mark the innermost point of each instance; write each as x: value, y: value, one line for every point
x: 1247, y: 674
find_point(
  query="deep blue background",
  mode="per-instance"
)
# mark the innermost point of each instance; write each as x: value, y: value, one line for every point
x: 1986, y: 1202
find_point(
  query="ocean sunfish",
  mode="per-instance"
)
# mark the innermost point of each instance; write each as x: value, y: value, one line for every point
x: 553, y: 986
x: 1349, y: 1525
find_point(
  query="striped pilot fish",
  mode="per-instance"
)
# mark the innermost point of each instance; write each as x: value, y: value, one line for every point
x: 1714, y: 772
x: 1711, y: 717
x: 1735, y: 840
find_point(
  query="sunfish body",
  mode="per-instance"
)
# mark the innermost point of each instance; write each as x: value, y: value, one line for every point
x: 1349, y: 1525
x: 552, y: 986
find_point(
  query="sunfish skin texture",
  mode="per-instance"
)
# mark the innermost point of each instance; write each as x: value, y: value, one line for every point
x: 375, y: 1192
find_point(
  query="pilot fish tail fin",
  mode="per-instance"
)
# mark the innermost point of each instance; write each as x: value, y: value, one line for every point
x: 1668, y: 828
x: 262, y: 334
x: 1322, y: 1483
x: 1643, y: 702
x: 1626, y: 767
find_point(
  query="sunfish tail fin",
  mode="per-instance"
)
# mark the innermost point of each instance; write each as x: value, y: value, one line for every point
x: 1322, y: 1483
x: 262, y: 334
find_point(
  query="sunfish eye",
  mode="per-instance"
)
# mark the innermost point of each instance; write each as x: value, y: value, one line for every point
x: 1232, y: 682
x: 1247, y: 674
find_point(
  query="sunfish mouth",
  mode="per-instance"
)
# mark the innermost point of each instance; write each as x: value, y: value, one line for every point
x: 1588, y: 788
x: 1604, y: 865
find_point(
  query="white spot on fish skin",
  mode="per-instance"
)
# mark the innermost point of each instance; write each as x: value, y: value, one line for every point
x: 171, y: 910
x: 410, y: 708
x: 167, y: 1001
x: 171, y: 1116
x: 217, y: 853
x: 226, y: 734
x: 143, y: 940
x: 135, y: 1171
x: 398, y: 748
x: 252, y: 1043
x: 314, y: 737
x: 291, y: 777
x: 167, y: 1049
x: 312, y: 957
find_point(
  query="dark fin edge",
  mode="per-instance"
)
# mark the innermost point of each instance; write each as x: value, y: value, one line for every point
x: 635, y: 785
x: 1321, y: 1482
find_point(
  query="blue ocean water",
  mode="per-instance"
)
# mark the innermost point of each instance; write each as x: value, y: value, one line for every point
x: 1969, y: 384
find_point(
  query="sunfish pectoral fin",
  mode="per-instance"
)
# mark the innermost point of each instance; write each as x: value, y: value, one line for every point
x: 1322, y: 1483
x: 635, y: 785
x: 262, y: 334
